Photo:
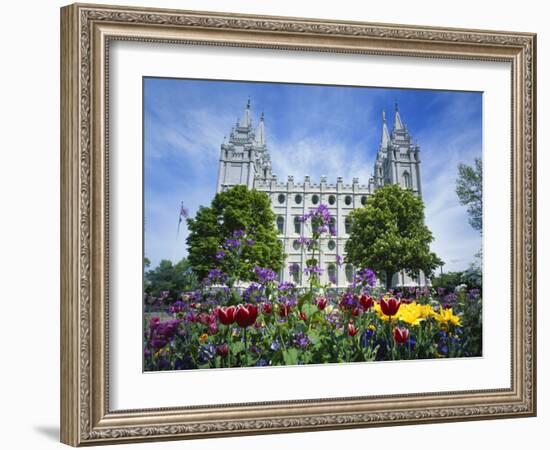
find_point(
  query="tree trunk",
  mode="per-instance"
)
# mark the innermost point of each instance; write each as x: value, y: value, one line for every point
x: 389, y: 278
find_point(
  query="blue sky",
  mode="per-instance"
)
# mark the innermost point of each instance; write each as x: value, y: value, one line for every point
x: 310, y: 130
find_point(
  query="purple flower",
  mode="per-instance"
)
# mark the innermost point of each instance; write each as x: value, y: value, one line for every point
x: 264, y: 275
x: 220, y: 255
x: 176, y: 307
x: 294, y: 268
x: 440, y: 291
x: 285, y: 286
x: 473, y: 293
x: 301, y: 340
x: 250, y: 242
x: 237, y: 234
x: 215, y: 276
x: 365, y: 277
x: 313, y: 270
x: 275, y: 345
x: 232, y: 243
x: 339, y: 260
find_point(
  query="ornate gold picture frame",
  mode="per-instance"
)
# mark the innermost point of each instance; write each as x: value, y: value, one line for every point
x: 87, y: 32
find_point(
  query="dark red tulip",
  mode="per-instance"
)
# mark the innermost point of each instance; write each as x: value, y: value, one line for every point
x: 284, y: 310
x: 303, y: 316
x: 267, y: 308
x: 352, y: 330
x: 321, y: 303
x: 356, y: 312
x: 246, y: 315
x: 226, y: 315
x: 390, y: 307
x: 222, y: 349
x: 400, y: 335
x: 366, y: 302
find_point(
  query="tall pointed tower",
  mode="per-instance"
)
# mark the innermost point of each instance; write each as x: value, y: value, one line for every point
x: 244, y: 155
x: 398, y: 159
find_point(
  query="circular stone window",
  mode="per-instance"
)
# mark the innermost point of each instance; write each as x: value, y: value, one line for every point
x: 281, y: 198
x: 296, y: 244
x: 364, y: 200
x: 331, y: 200
x: 347, y: 200
x: 315, y: 199
x: 298, y: 199
x: 331, y: 245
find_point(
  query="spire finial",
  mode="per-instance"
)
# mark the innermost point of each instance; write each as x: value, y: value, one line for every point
x: 248, y: 103
x: 384, y: 116
x: 262, y: 116
x: 396, y: 107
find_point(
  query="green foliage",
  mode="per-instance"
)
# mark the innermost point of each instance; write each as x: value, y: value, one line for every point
x: 235, y: 209
x: 168, y: 277
x: 447, y: 280
x: 469, y: 188
x: 388, y: 234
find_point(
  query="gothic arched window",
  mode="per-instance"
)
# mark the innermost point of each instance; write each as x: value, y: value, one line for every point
x: 298, y: 199
x: 347, y: 200
x: 296, y: 244
x: 331, y: 271
x: 332, y: 225
x: 331, y: 245
x: 297, y: 225
x: 331, y: 200
x: 348, y: 224
x: 407, y: 180
x: 281, y: 198
x: 364, y: 200
x: 315, y: 199
x: 349, y: 273
x: 280, y: 224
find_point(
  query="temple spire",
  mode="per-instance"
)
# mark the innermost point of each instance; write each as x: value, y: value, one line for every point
x: 385, y: 133
x: 246, y: 121
x: 260, y: 132
x: 398, y: 124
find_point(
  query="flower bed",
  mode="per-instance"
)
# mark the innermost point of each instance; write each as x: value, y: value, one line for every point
x: 269, y: 323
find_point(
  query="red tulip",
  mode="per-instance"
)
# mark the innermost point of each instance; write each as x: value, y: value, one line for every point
x: 303, y: 316
x: 246, y: 315
x: 352, y: 330
x: 226, y: 315
x: 321, y: 303
x: 390, y: 307
x: 267, y: 308
x: 222, y: 349
x: 400, y: 335
x: 284, y: 310
x: 366, y: 302
x: 356, y: 312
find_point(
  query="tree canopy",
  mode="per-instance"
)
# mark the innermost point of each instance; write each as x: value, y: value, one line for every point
x: 235, y: 209
x: 469, y: 188
x: 170, y: 278
x: 388, y: 234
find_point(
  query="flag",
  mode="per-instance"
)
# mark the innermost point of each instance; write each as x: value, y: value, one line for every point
x: 183, y: 213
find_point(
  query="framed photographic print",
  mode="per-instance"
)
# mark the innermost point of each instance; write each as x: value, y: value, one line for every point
x: 268, y: 221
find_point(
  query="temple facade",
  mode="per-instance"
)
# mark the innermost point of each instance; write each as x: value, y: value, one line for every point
x: 245, y: 159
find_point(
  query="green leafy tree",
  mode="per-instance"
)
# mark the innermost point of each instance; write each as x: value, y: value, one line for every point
x: 388, y: 234
x: 235, y: 209
x: 469, y: 188
x: 172, y: 278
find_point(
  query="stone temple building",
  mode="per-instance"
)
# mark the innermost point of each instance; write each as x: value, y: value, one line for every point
x: 245, y: 159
